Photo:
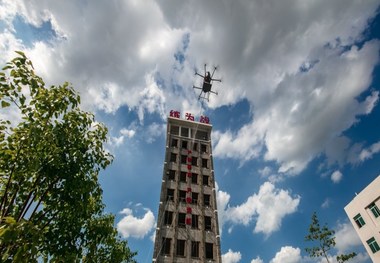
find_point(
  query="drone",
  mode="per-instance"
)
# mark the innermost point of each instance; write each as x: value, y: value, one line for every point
x: 207, y: 84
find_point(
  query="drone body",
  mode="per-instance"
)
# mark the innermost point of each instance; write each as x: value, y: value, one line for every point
x: 207, y: 84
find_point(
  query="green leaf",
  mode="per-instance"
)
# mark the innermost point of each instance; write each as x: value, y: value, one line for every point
x: 5, y: 104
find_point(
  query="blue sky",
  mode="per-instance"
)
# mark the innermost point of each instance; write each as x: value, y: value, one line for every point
x: 295, y: 124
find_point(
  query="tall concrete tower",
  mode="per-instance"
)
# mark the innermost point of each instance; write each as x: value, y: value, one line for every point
x: 187, y: 224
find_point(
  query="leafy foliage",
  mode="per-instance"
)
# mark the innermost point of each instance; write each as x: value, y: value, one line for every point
x: 50, y: 200
x: 324, y: 239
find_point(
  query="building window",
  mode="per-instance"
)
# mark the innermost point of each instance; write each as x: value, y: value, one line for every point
x: 194, y: 221
x: 181, y: 219
x: 206, y: 200
x: 194, y: 249
x: 209, y: 250
x: 373, y: 245
x: 173, y: 157
x: 168, y: 218
x: 174, y: 143
x: 166, y: 246
x: 203, y: 148
x: 180, y: 247
x: 170, y: 195
x: 184, y: 144
x: 194, y: 178
x: 194, y: 161
x: 205, y: 180
x: 171, y: 175
x: 208, y: 223
x: 359, y: 220
x: 204, y: 163
x: 194, y: 198
x: 201, y: 135
x: 184, y: 132
x: 182, y: 177
x: 374, y: 209
x: 182, y: 196
x: 195, y: 146
x: 174, y: 130
x: 183, y: 159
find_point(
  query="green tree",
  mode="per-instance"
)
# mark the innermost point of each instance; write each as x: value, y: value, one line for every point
x: 324, y: 241
x: 50, y: 199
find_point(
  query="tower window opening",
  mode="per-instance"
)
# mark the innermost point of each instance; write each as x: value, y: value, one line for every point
x: 194, y: 221
x: 173, y: 157
x: 174, y: 143
x: 166, y: 242
x: 208, y: 223
x: 194, y: 198
x: 174, y: 130
x: 170, y: 195
x: 182, y: 196
x: 195, y: 249
x: 195, y: 146
x: 171, y: 175
x: 181, y: 220
x: 168, y: 219
x: 182, y: 177
x: 206, y: 200
x: 203, y: 148
x: 194, y: 178
x: 209, y: 250
x: 181, y: 247
x: 185, y: 132
x: 204, y: 163
x: 205, y: 180
x: 184, y: 144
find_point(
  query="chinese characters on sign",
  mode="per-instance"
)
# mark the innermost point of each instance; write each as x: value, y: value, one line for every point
x: 175, y: 114
x: 204, y: 119
x: 189, y: 116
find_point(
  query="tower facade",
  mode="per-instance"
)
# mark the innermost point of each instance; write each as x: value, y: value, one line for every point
x: 187, y: 224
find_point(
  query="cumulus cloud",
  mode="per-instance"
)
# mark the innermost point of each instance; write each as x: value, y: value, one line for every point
x: 222, y: 199
x: 257, y: 260
x: 336, y: 177
x: 137, y: 227
x: 346, y: 238
x: 267, y: 208
x: 123, y: 133
x: 292, y: 69
x: 367, y: 153
x: 231, y: 257
x: 287, y: 254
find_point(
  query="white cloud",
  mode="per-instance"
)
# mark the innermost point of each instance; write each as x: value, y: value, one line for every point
x: 127, y: 133
x: 257, y: 260
x: 336, y: 177
x: 268, y: 208
x: 326, y: 203
x: 292, y: 70
x: 131, y: 226
x: 346, y: 238
x: 369, y: 152
x: 123, y: 133
x: 222, y: 199
x: 287, y: 254
x: 154, y: 131
x: 231, y: 257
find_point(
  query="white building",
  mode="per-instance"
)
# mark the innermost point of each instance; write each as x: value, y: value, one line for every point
x: 364, y: 214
